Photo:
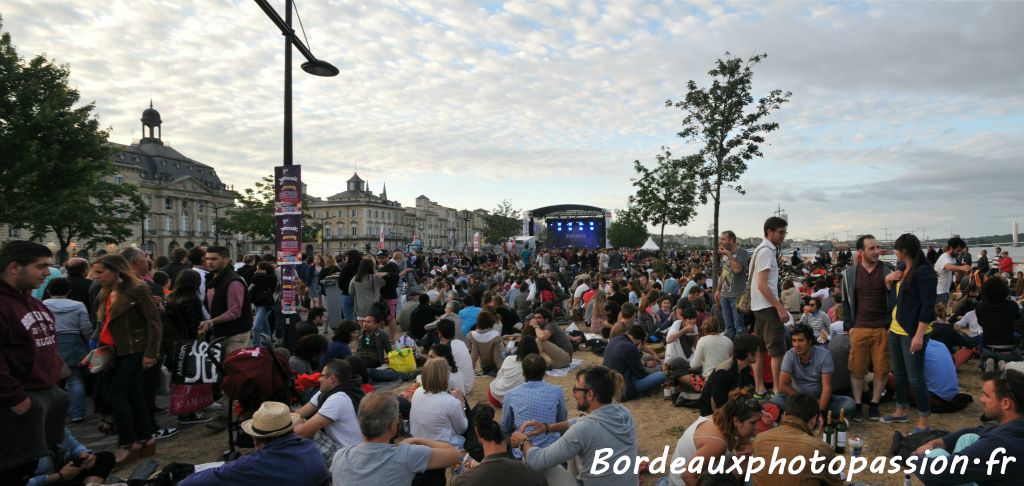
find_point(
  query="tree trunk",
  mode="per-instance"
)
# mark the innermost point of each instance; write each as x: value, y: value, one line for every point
x: 662, y: 236
x: 716, y: 260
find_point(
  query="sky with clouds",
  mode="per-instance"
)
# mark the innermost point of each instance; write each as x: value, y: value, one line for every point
x: 903, y: 114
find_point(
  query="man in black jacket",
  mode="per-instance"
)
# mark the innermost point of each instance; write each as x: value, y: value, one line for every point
x: 179, y: 262
x: 77, y: 269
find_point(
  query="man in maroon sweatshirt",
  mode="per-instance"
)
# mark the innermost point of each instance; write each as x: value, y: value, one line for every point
x: 32, y: 407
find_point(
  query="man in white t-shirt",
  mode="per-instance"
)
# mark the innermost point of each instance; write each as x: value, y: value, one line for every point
x: 331, y: 409
x: 946, y: 265
x: 769, y: 313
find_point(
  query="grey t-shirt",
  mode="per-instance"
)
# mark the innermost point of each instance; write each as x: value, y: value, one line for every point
x: 733, y: 284
x: 370, y: 462
x: 807, y: 376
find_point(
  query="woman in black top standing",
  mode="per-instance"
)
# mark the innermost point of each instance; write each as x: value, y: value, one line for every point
x: 348, y: 303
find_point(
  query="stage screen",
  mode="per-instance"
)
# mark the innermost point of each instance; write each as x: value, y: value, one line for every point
x: 575, y: 232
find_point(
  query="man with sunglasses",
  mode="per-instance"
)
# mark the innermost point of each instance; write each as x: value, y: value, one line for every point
x: 990, y: 450
x: 606, y: 426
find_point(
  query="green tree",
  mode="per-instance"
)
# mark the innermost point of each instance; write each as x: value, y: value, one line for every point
x: 502, y: 223
x: 729, y: 125
x: 253, y: 214
x: 627, y: 230
x: 57, y: 173
x: 666, y: 194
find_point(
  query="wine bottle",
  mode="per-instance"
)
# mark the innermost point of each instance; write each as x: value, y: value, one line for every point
x: 828, y: 432
x: 667, y: 387
x: 841, y: 433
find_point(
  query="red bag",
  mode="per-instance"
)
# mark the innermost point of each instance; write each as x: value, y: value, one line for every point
x: 186, y: 399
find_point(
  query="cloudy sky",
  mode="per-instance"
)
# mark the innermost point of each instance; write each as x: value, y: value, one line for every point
x: 903, y: 115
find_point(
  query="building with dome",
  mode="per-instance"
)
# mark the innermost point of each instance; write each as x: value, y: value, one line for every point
x: 183, y: 197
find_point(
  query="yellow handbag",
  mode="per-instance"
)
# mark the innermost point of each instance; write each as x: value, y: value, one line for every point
x: 402, y: 360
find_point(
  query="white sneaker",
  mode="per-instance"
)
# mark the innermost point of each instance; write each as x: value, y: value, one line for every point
x: 214, y: 407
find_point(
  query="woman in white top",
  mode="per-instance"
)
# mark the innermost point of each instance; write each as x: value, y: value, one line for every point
x: 331, y: 409
x: 437, y: 411
x: 712, y: 348
x: 727, y: 432
x: 455, y: 375
x: 510, y: 375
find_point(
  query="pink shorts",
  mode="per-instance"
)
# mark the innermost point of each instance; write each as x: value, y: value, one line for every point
x: 392, y: 309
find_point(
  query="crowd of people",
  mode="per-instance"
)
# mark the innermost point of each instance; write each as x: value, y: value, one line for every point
x: 764, y: 356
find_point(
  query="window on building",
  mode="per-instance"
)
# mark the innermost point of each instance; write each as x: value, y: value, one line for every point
x: 12, y: 232
x: 341, y: 213
x: 168, y: 204
x: 354, y: 231
x: 201, y: 207
x: 119, y: 179
x: 327, y: 232
x: 353, y: 213
x: 146, y: 224
x: 168, y: 223
x: 148, y: 200
x: 184, y: 222
x: 199, y: 225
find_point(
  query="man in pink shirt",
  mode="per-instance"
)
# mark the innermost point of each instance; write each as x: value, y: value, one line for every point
x: 227, y: 300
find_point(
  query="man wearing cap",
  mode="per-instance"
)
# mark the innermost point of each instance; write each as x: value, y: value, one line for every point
x: 281, y: 457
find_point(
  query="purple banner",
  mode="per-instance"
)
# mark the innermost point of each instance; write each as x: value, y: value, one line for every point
x: 288, y: 226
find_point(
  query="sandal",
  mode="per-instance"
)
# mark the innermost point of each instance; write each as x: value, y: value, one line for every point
x: 132, y: 456
x: 106, y: 426
x: 147, y: 447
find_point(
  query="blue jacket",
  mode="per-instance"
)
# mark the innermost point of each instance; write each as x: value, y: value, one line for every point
x: 623, y: 356
x: 66, y: 449
x: 1009, y: 436
x: 289, y: 460
x: 916, y: 300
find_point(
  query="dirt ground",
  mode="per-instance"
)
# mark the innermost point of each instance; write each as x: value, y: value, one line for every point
x: 659, y: 425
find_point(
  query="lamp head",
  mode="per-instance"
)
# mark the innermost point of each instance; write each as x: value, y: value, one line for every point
x: 317, y: 67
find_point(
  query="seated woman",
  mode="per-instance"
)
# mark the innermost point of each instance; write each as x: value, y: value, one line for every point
x: 597, y: 310
x: 437, y: 413
x: 71, y: 463
x: 727, y: 432
x: 340, y: 346
x: 455, y: 376
x: 332, y: 409
x: 712, y: 349
x: 485, y: 344
x: 997, y: 316
x: 510, y: 375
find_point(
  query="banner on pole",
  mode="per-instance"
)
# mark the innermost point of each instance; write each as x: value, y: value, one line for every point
x: 288, y: 226
x: 476, y: 242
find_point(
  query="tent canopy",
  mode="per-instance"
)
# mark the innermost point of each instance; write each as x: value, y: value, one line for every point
x: 650, y: 245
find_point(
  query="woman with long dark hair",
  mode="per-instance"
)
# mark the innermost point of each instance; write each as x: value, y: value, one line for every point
x: 997, y: 316
x: 351, y: 266
x: 129, y: 322
x: 365, y: 289
x: 911, y: 298
x: 184, y: 313
x: 510, y: 374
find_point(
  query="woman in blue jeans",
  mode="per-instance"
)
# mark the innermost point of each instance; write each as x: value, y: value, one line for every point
x: 261, y: 293
x: 351, y: 266
x: 911, y: 299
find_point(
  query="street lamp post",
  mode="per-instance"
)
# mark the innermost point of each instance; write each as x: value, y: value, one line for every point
x: 312, y: 66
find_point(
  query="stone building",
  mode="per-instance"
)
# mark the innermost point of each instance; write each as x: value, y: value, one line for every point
x: 182, y: 196
x: 355, y: 217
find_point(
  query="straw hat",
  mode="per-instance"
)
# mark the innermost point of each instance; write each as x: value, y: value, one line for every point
x: 271, y: 420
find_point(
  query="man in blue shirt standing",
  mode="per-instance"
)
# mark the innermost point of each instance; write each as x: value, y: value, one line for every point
x: 534, y: 400
x: 281, y: 457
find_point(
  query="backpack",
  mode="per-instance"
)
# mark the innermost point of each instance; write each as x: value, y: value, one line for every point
x: 255, y: 375
x: 903, y: 446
